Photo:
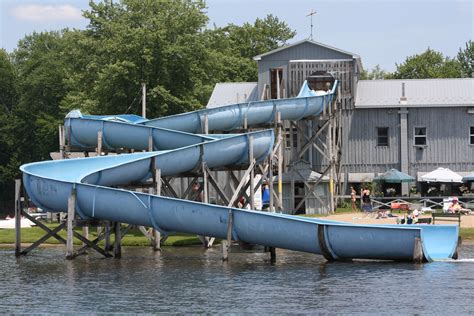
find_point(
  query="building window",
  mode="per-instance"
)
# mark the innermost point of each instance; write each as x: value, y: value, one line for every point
x: 420, y: 136
x: 382, y: 136
x: 471, y: 135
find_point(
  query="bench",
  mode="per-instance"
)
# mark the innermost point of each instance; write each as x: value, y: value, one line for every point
x: 447, y: 217
x: 424, y: 220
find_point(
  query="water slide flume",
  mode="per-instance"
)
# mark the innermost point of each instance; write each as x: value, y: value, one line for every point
x: 177, y: 151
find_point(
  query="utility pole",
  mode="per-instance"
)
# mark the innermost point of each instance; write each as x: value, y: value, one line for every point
x: 311, y: 15
x: 144, y: 100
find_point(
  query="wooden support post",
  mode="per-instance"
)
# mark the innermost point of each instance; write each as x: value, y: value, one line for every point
x: 227, y: 243
x: 62, y: 142
x: 205, y: 198
x: 272, y: 251
x: 99, y: 143
x: 155, y: 232
x: 150, y: 142
x: 458, y: 246
x: 108, y: 245
x: 252, y: 175
x: 330, y: 147
x: 206, y: 241
x: 144, y: 100
x: 71, y: 213
x: 85, y: 233
x: 225, y: 250
x: 278, y: 84
x: 18, y: 206
x: 206, y: 124
x: 417, y: 251
x: 157, y: 180
x: 118, y: 241
x: 280, y: 163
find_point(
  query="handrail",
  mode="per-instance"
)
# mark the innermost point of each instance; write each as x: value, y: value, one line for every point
x: 427, y: 201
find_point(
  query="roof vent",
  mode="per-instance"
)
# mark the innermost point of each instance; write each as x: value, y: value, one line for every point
x: 403, y: 98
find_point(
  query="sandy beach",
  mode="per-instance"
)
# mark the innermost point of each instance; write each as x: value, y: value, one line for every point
x: 467, y: 221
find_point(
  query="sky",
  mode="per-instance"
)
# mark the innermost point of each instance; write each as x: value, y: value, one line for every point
x: 381, y: 32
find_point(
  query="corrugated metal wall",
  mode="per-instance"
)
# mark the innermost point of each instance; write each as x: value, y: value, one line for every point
x: 360, y: 150
x: 447, y: 139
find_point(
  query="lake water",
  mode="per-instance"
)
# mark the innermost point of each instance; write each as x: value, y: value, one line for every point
x: 193, y: 280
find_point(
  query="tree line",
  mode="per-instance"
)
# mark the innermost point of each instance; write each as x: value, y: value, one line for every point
x: 164, y: 44
x: 429, y: 64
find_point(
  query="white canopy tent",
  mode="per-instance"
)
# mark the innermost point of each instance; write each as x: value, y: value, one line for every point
x: 442, y: 175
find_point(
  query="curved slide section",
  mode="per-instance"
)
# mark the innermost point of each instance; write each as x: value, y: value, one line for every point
x: 133, y: 132
x: 50, y: 183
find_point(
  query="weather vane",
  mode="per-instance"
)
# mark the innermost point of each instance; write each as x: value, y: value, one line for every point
x: 311, y: 15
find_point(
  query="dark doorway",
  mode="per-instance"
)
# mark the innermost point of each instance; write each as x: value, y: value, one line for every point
x: 276, y: 76
x: 299, y: 196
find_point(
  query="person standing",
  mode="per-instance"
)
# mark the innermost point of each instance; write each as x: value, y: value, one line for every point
x: 265, y: 197
x: 197, y: 194
x: 366, y: 201
x: 353, y: 199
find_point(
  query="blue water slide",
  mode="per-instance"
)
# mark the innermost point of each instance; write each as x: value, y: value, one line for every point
x: 179, y: 149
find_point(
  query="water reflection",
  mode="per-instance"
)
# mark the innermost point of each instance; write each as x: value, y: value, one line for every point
x: 185, y: 280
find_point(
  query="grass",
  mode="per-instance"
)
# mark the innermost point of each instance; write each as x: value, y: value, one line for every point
x: 133, y: 237
x: 467, y: 233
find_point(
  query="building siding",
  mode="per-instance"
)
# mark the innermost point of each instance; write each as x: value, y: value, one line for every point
x: 447, y: 139
x: 360, y: 150
x: 306, y: 50
x: 282, y: 58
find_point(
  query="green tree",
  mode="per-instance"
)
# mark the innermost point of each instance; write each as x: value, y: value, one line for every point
x: 132, y: 42
x: 250, y: 40
x: 166, y: 45
x: 8, y: 90
x: 430, y: 64
x: 466, y: 60
x: 8, y: 98
x: 377, y: 73
x: 100, y: 70
x: 231, y: 48
x: 32, y: 129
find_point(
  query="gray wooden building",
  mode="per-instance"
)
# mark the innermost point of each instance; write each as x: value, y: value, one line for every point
x: 282, y: 71
x: 415, y: 126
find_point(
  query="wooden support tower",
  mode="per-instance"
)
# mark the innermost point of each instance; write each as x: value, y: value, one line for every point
x: 317, y: 141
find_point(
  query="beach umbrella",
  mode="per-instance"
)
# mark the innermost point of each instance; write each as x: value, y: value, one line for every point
x: 442, y: 175
x: 394, y: 176
x: 469, y: 177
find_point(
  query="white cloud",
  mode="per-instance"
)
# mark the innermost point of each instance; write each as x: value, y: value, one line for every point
x: 46, y: 13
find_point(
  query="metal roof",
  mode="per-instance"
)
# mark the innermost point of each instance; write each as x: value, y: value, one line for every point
x: 225, y: 93
x: 418, y: 92
x: 259, y: 57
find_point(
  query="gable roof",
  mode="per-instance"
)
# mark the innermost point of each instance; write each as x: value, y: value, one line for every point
x: 225, y: 93
x: 419, y: 93
x: 259, y: 57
